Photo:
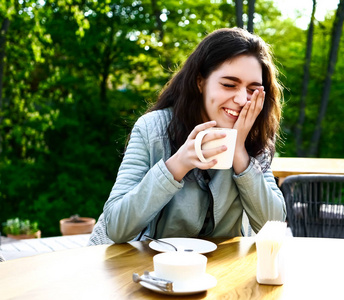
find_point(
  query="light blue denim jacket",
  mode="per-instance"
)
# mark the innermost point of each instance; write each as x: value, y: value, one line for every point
x: 146, y: 199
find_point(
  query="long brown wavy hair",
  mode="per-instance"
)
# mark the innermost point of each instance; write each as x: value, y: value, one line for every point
x: 182, y: 92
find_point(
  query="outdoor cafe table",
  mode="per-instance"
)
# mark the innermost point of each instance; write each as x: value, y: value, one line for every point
x: 286, y: 166
x: 314, y: 270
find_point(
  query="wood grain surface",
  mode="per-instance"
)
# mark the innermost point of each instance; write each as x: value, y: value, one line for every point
x: 314, y: 271
x: 285, y: 166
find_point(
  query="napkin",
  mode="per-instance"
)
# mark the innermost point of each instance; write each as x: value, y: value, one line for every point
x: 269, y: 242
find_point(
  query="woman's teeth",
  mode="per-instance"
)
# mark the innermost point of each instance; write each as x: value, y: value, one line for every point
x: 231, y: 112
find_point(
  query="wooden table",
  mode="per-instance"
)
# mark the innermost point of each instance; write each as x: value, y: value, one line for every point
x: 286, y: 166
x: 315, y: 270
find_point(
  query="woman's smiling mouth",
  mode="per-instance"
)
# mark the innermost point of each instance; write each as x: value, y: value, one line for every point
x: 231, y: 112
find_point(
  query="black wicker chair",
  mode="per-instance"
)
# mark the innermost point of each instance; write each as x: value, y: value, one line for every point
x: 315, y: 205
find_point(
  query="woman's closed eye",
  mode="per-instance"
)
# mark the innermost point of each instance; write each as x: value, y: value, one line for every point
x: 228, y: 85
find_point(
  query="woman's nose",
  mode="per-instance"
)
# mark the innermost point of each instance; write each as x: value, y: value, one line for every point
x: 241, y: 97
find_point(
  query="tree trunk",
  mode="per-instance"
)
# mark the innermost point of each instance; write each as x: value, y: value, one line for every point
x: 251, y: 4
x: 299, y: 125
x: 108, y: 57
x: 336, y: 35
x: 157, y: 13
x: 4, y: 28
x: 103, y: 82
x: 239, y: 11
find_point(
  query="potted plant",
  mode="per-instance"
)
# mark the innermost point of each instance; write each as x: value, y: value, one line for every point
x: 76, y: 225
x: 21, y: 229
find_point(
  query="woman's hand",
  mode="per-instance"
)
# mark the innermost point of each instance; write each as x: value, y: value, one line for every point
x: 185, y: 159
x: 247, y: 117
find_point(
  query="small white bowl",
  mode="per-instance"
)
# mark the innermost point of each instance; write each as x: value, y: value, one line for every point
x: 182, y: 268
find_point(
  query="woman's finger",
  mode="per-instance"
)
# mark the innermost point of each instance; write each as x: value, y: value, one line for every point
x: 213, y: 151
x: 213, y: 135
x: 243, y: 115
x: 257, y: 102
x: 261, y: 100
x: 205, y: 165
x: 201, y: 127
x: 254, y: 98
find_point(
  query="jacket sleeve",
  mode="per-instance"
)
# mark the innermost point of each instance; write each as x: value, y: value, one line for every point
x: 260, y: 196
x: 141, y: 189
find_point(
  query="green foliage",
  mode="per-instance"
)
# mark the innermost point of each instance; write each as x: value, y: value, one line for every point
x: 17, y: 226
x: 78, y: 74
x: 291, y: 54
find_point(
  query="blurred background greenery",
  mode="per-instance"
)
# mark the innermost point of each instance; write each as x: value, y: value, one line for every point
x: 75, y: 75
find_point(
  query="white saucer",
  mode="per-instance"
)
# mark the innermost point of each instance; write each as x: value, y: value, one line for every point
x: 206, y: 282
x: 197, y: 245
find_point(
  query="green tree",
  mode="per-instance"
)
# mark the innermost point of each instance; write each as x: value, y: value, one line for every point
x: 3, y: 32
x: 75, y: 93
x: 305, y: 81
x: 335, y: 41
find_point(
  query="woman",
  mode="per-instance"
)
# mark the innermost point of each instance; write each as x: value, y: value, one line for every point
x: 162, y: 189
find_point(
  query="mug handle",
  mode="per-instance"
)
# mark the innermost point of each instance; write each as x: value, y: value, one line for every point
x: 198, y: 145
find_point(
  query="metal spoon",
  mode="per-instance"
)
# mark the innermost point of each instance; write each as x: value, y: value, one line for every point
x: 162, y: 284
x: 166, y: 243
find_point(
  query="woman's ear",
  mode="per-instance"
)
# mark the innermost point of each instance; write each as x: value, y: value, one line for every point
x: 200, y: 83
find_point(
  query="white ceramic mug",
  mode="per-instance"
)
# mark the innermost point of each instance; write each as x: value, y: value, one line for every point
x: 224, y: 159
x: 185, y: 269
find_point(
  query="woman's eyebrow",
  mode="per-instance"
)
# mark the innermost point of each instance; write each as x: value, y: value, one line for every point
x: 236, y: 79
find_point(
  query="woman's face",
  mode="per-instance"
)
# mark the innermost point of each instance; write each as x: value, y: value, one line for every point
x: 228, y: 88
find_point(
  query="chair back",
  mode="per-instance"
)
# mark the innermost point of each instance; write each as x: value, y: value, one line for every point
x: 315, y: 205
